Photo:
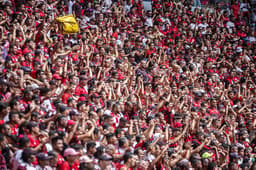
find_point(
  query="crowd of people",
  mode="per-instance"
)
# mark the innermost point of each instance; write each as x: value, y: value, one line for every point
x: 168, y: 88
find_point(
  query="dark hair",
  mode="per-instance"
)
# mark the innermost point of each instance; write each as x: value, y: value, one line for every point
x: 26, y: 155
x: 53, y: 154
x: 99, y: 152
x: 105, y: 126
x: 13, y: 102
x: 96, y: 131
x: 127, y: 156
x: 90, y: 144
x: 79, y: 104
x: 118, y: 131
x: 231, y: 164
x: 22, y: 126
x: 55, y: 139
x: 23, y: 141
x: 109, y: 135
x: 122, y: 141
x: 138, y: 138
x: 2, y: 127
x: 1, y: 137
x: 3, y: 106
x: 11, y: 114
x: 77, y: 146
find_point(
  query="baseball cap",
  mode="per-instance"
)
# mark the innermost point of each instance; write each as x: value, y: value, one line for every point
x: 177, y: 125
x: 234, y: 155
x: 207, y: 155
x: 82, y: 98
x: 73, y: 113
x: 43, y: 156
x: 34, y: 86
x: 71, y: 152
x: 85, y: 159
x: 70, y: 122
x: 63, y: 108
x: 105, y: 157
x: 56, y: 76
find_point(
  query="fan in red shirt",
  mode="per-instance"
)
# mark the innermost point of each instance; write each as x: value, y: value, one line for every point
x: 82, y: 87
x: 72, y: 160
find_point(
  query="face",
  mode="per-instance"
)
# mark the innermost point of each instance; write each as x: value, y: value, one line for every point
x: 63, y: 121
x: 58, y: 146
x: 133, y: 161
x: 15, y: 118
x: 3, y: 143
x: 8, y: 130
x: 72, y: 158
x: 214, y: 103
x: 53, y: 161
x: 113, y: 140
x: 29, y: 95
x: 36, y: 129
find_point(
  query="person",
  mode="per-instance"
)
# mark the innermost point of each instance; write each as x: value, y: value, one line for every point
x: 86, y: 163
x: 129, y: 161
x: 71, y: 157
x: 43, y: 161
x: 57, y: 146
x: 104, y: 162
x: 16, y: 160
x: 27, y: 157
x: 3, y: 163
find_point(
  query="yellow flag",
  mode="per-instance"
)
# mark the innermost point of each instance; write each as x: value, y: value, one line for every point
x: 68, y: 24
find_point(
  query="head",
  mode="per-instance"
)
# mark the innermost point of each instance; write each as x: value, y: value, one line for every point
x: 129, y: 159
x: 91, y: 147
x: 57, y: 144
x: 28, y: 155
x: 14, y: 117
x: 71, y: 155
x: 2, y: 141
x: 86, y: 163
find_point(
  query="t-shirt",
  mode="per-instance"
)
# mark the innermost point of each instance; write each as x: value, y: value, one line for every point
x: 65, y: 166
x: 80, y: 90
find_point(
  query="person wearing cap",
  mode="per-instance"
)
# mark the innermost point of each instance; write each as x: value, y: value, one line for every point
x: 54, y: 159
x: 196, y: 161
x: 86, y: 163
x: 104, y: 162
x: 43, y: 161
x: 72, y: 160
x: 74, y: 115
